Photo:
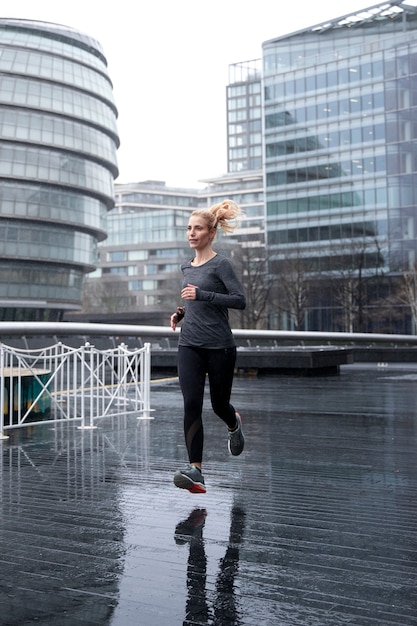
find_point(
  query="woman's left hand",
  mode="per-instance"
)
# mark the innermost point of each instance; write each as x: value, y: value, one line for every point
x: 189, y: 292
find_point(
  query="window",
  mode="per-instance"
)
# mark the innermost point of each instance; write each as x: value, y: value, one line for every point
x: 117, y: 255
x: 136, y: 255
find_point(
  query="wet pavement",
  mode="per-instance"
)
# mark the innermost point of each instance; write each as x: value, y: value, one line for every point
x: 315, y: 524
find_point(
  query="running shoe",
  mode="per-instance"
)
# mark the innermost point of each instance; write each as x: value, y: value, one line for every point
x: 236, y: 441
x: 191, y: 478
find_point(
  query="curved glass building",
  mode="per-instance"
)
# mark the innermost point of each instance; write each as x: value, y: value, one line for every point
x: 58, y: 142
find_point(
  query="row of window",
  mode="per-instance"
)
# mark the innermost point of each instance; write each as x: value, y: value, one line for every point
x: 41, y: 275
x: 24, y: 240
x: 334, y: 138
x: 243, y: 89
x: 331, y: 49
x: 143, y: 223
x: 35, y: 314
x: 33, y: 291
x: 162, y: 268
x: 40, y: 282
x: 242, y: 128
x: 56, y: 69
x: 114, y: 256
x: 401, y: 126
x: 402, y: 159
x: 394, y: 99
x: 329, y: 202
x: 119, y: 271
x: 27, y: 92
x: 342, y: 60
x: 345, y: 258
x: 398, y: 97
x: 328, y: 232
x: 244, y: 102
x: 141, y: 197
x: 143, y: 285
x: 90, y: 57
x: 243, y: 140
x: 317, y: 111
x: 124, y: 237
x: 167, y: 252
x: 353, y: 167
x: 132, y: 270
x: 243, y: 153
x: 402, y: 192
x: 38, y: 202
x: 146, y: 221
x: 243, y: 114
x: 242, y: 164
x: 52, y: 167
x: 331, y: 76
x: 46, y: 129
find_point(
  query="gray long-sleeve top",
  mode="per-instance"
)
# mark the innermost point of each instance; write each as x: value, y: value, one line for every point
x: 206, y: 319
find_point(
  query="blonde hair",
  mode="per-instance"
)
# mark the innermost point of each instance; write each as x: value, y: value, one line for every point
x: 224, y: 214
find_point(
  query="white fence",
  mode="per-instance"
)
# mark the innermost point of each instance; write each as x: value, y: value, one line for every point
x: 60, y: 383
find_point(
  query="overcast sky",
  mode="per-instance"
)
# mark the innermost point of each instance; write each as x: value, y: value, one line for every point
x: 169, y: 61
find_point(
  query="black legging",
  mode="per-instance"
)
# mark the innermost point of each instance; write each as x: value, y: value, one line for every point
x: 193, y: 365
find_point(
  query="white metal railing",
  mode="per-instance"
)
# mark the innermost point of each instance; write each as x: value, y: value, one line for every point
x: 22, y: 329
x: 60, y: 383
x: 77, y: 387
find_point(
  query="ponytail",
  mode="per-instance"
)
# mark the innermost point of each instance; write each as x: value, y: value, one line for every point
x: 224, y: 214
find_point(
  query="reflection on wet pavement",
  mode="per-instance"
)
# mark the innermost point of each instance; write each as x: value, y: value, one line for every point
x: 225, y: 611
x: 315, y: 524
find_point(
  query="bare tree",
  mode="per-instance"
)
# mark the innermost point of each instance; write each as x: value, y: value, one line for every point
x: 356, y: 266
x: 251, y: 267
x: 106, y: 296
x: 407, y: 294
x: 171, y: 293
x: 291, y: 289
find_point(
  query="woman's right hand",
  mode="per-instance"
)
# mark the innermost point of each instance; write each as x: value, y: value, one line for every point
x: 177, y: 317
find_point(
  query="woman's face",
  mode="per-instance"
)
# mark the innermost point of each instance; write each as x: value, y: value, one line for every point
x: 199, y: 234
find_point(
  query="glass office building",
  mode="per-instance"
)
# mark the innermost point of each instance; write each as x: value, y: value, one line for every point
x: 58, y: 142
x: 340, y: 152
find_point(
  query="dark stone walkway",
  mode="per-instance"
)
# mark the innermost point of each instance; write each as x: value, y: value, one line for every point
x: 315, y: 524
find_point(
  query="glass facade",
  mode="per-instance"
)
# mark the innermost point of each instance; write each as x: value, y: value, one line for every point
x: 244, y: 117
x: 57, y: 165
x: 340, y: 129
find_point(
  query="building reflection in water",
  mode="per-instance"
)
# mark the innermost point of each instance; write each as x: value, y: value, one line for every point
x: 60, y: 498
x: 225, y: 610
